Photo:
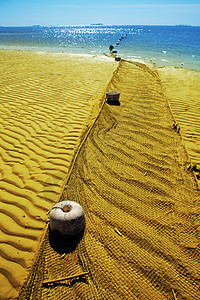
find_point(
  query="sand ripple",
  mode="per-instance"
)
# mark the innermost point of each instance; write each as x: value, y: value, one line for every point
x: 182, y: 88
x: 142, y: 205
x: 46, y: 102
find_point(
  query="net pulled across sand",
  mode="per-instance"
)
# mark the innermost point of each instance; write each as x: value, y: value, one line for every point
x: 130, y: 174
x: 141, y: 202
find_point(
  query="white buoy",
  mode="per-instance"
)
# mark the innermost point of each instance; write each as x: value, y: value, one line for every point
x: 67, y: 218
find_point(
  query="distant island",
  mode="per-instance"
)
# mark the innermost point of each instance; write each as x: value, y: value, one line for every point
x: 183, y: 25
x: 99, y: 24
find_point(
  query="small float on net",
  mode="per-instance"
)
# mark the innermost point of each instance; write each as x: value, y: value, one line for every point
x: 112, y: 97
x: 111, y: 47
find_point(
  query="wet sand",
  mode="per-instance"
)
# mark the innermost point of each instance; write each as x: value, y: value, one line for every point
x: 131, y: 175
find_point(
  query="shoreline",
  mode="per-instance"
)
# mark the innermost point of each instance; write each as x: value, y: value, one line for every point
x: 148, y: 61
x: 47, y: 102
x: 163, y: 45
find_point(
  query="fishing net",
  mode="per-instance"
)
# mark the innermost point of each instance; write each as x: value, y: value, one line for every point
x: 141, y: 238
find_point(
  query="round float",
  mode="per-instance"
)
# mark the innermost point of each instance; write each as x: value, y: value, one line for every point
x: 67, y: 218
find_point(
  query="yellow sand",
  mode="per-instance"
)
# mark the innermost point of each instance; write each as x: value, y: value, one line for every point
x: 131, y: 176
x: 46, y: 102
x: 182, y: 88
x: 141, y: 204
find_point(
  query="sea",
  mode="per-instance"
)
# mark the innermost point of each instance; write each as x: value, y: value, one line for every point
x: 162, y: 45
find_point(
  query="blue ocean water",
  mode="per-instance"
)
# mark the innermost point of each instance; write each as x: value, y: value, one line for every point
x: 163, y: 45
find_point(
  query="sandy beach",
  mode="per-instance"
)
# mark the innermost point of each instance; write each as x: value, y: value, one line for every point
x: 136, y: 175
x: 47, y: 103
x: 181, y: 87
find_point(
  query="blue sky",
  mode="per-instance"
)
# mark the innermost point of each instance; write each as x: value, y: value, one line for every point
x: 79, y: 12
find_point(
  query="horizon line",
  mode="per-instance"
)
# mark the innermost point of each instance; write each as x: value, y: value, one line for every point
x: 97, y: 24
x: 125, y: 6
